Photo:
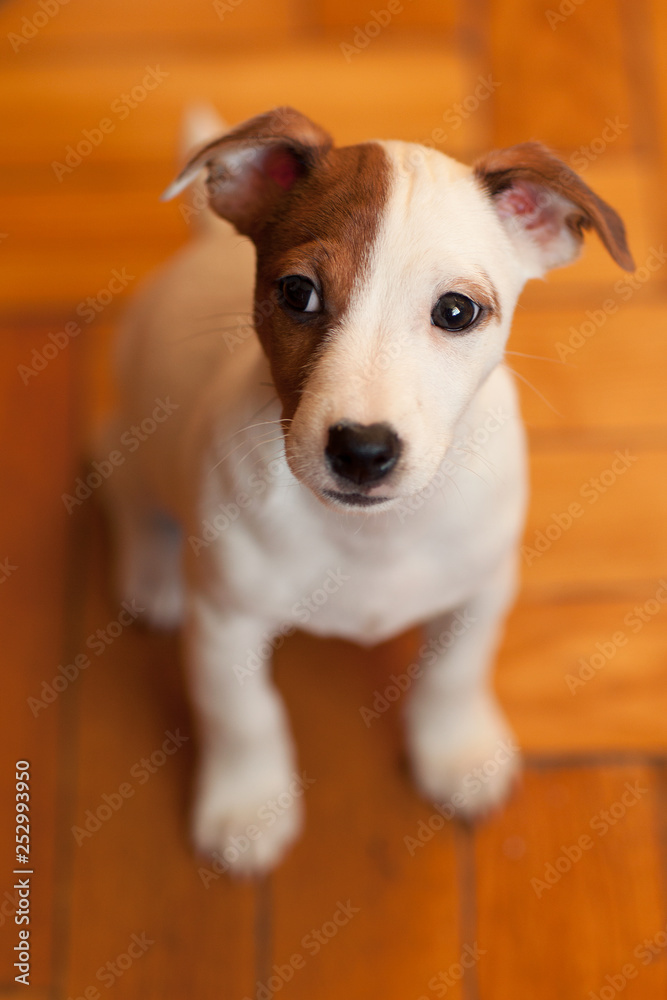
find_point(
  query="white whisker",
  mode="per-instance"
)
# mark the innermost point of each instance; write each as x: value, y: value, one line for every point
x: 240, y: 444
x: 538, y: 357
x: 535, y: 390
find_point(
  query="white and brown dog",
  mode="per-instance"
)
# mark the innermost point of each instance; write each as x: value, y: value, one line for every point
x: 300, y: 462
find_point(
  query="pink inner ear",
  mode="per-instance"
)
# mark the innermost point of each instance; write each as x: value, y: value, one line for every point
x: 533, y: 207
x: 282, y: 167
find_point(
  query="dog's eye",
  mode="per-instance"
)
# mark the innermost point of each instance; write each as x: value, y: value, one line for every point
x: 455, y: 312
x: 299, y: 293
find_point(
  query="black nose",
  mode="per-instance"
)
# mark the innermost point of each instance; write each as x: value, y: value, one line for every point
x: 362, y: 453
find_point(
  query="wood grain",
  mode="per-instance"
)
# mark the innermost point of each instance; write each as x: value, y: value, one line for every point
x: 35, y: 423
x: 587, y: 41
x: 582, y: 677
x: 359, y: 846
x: 575, y: 854
x: 133, y: 869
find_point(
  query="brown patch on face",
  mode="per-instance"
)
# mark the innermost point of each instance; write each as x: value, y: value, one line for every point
x: 323, y: 229
x: 532, y: 163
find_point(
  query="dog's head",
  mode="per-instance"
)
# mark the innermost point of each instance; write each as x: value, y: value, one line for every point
x: 387, y: 275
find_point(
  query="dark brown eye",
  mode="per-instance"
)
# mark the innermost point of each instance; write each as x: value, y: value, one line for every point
x: 455, y: 312
x: 299, y: 293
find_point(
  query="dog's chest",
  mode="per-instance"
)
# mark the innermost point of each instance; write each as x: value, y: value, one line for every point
x: 370, y: 597
x: 365, y: 585
x: 370, y: 601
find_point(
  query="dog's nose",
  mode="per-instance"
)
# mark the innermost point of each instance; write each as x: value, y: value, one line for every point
x: 362, y: 453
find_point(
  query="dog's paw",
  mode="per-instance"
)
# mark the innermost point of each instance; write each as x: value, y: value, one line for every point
x: 466, y: 758
x: 246, y: 817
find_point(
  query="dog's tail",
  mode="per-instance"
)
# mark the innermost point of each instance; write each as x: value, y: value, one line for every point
x: 201, y: 124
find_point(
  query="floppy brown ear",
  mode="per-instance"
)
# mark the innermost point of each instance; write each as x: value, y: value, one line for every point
x: 251, y: 167
x: 545, y: 207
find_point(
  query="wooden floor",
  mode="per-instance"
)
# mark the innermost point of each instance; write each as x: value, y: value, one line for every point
x: 563, y: 894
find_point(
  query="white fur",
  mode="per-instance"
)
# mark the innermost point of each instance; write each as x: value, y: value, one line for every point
x: 424, y: 553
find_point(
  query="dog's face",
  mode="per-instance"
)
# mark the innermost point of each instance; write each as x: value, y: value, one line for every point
x: 387, y: 275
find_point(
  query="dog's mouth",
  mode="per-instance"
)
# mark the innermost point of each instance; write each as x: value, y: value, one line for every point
x: 354, y: 499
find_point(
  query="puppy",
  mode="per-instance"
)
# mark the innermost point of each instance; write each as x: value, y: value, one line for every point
x: 351, y: 459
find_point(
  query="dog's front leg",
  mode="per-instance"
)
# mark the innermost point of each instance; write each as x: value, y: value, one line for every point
x: 247, y: 806
x: 462, y: 749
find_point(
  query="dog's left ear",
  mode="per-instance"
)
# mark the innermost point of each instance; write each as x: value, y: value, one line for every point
x: 252, y: 167
x: 545, y: 207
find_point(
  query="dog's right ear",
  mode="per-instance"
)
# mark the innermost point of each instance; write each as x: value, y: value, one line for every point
x: 251, y: 167
x: 545, y: 207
